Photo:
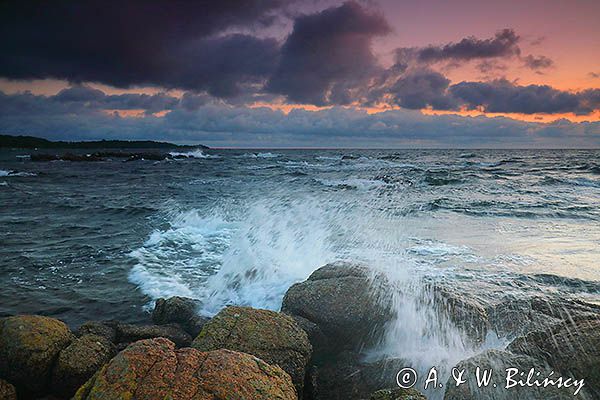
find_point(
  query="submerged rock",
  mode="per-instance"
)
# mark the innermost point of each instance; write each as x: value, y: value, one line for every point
x: 79, y: 361
x: 29, y: 346
x: 153, y: 369
x: 273, y: 337
x: 347, y: 301
x: 397, y: 394
x: 179, y: 310
x: 7, y: 391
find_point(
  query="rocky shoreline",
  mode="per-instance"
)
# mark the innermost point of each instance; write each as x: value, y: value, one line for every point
x: 310, y: 350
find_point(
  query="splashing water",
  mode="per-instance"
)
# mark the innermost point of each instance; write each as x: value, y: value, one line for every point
x: 252, y: 257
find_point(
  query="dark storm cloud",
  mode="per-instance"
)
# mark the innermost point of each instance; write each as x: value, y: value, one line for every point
x: 328, y: 55
x: 92, y: 98
x: 502, y: 96
x: 421, y: 89
x: 162, y: 43
x: 503, y: 44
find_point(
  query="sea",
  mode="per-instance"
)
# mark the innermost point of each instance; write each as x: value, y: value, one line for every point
x: 103, y: 240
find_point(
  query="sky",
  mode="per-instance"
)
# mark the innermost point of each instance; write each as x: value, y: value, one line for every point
x: 315, y: 73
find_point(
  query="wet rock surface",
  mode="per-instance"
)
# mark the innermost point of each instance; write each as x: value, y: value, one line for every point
x: 154, y: 369
x: 273, y: 337
x: 179, y: 310
x: 347, y: 303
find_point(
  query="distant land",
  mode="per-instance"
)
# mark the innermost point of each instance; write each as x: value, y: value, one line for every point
x: 32, y: 142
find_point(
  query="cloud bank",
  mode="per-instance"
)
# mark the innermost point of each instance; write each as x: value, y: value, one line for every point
x: 84, y: 113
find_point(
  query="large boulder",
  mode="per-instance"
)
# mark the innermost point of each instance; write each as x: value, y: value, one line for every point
x: 273, y: 337
x: 29, y: 346
x: 349, y: 303
x: 179, y: 310
x: 78, y: 362
x: 154, y: 369
x: 573, y: 348
x: 7, y: 391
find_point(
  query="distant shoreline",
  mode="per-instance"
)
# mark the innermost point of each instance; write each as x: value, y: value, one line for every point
x: 32, y: 142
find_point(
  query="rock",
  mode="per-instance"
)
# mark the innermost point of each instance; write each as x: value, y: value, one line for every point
x: 98, y: 328
x: 346, y: 377
x: 498, y: 361
x: 464, y: 311
x: 348, y: 303
x: 179, y: 310
x: 153, y: 369
x: 7, y: 391
x: 78, y: 362
x: 316, y: 337
x: 273, y: 337
x: 573, y: 348
x: 29, y: 346
x: 513, y: 317
x: 127, y: 333
x: 397, y: 394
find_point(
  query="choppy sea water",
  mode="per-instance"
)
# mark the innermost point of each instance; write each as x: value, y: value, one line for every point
x: 102, y: 240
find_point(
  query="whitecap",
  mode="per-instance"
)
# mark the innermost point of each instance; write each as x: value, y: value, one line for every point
x: 193, y: 154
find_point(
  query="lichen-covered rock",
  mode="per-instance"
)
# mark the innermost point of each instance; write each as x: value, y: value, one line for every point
x: 397, y: 394
x: 273, y: 337
x: 29, y: 346
x: 78, y: 362
x: 7, y: 391
x: 98, y: 328
x: 573, y: 348
x: 179, y: 310
x: 153, y: 369
x: 128, y: 333
x: 348, y: 302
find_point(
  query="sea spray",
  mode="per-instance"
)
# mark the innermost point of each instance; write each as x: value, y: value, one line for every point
x: 252, y: 256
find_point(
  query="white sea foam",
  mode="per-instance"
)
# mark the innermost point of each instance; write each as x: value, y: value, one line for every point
x: 15, y: 173
x: 259, y: 155
x: 193, y: 154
